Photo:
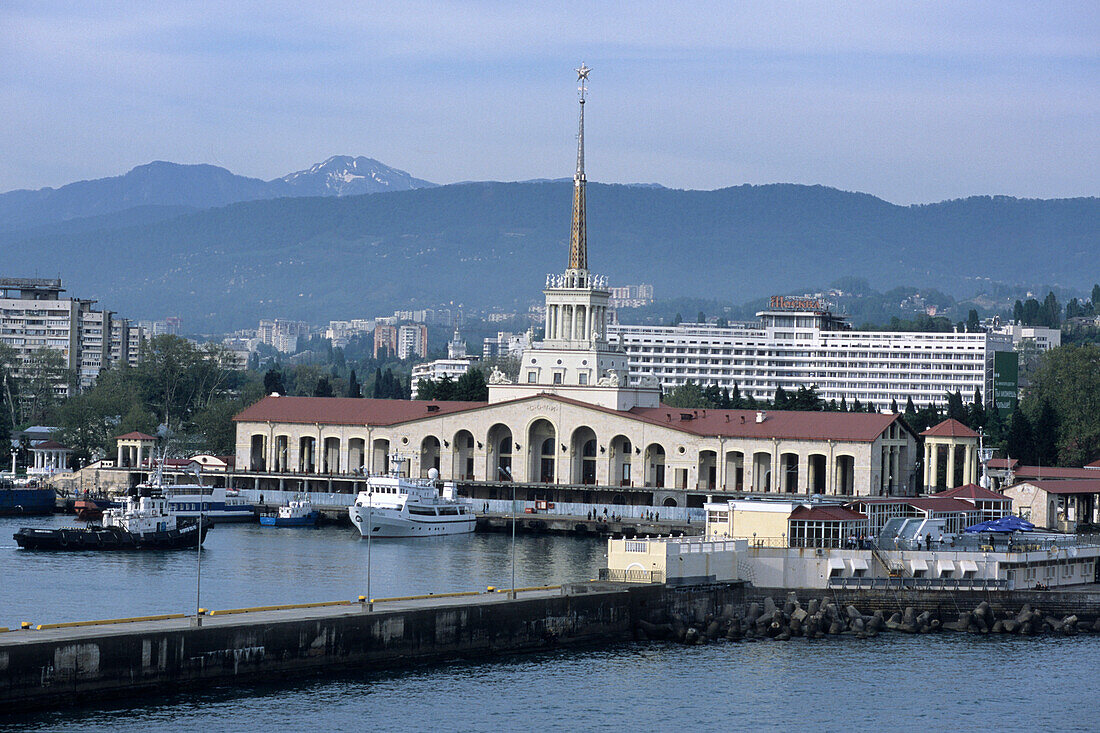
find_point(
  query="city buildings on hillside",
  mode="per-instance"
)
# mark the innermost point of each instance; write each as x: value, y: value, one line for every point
x: 631, y: 296
x: 341, y: 332
x: 171, y: 326
x: 34, y: 317
x: 1037, y: 338
x: 799, y: 343
x: 505, y: 344
x: 282, y: 335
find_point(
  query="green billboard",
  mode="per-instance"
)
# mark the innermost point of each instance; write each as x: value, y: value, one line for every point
x: 1006, y: 381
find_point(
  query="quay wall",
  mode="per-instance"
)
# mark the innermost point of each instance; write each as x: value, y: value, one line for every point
x: 60, y: 667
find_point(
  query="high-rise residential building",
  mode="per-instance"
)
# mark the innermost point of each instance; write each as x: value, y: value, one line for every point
x: 34, y: 316
x: 412, y: 340
x: 505, y: 343
x: 282, y: 335
x: 800, y: 343
x: 385, y: 339
x: 631, y: 296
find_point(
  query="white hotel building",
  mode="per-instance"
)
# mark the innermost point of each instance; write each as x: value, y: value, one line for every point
x: 805, y: 345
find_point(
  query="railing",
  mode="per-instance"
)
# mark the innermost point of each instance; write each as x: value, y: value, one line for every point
x: 919, y: 583
x: 632, y: 576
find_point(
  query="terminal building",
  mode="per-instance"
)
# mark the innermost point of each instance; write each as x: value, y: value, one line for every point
x: 799, y: 342
x: 575, y: 426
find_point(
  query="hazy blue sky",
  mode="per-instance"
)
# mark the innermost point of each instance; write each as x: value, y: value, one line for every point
x: 913, y: 101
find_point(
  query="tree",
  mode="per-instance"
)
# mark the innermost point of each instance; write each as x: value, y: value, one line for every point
x: 910, y: 408
x: 1018, y: 312
x: 973, y: 325
x: 856, y: 406
x: 1019, y: 443
x: 976, y: 416
x: 1095, y: 297
x: 1068, y: 379
x: 843, y: 404
x: 686, y: 395
x: 323, y: 388
x: 37, y: 385
x: 1045, y: 432
x: 893, y: 407
x: 701, y: 318
x: 780, y: 399
x: 471, y: 387
x: 677, y: 320
x: 956, y: 410
x: 353, y: 385
x: 273, y: 382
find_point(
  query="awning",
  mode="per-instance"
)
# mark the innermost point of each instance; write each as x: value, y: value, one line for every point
x: 835, y: 563
x: 945, y: 566
x: 968, y: 566
x: 858, y: 563
x: 918, y: 566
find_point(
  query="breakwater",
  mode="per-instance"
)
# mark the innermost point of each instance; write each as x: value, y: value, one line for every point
x: 49, y: 666
x: 866, y: 614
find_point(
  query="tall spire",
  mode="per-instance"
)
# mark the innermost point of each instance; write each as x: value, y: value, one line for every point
x: 578, y: 239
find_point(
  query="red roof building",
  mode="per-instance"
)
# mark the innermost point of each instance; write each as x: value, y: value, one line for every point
x: 950, y: 428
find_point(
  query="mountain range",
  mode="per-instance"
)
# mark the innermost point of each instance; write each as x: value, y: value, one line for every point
x: 224, y: 266
x: 165, y: 189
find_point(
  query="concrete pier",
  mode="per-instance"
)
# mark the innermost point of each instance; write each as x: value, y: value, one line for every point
x: 50, y: 666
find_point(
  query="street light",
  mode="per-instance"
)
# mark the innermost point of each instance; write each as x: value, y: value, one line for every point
x: 508, y: 473
x: 370, y: 531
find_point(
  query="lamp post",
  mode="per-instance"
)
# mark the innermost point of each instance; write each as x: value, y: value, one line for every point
x: 508, y: 472
x: 198, y: 554
x: 370, y: 531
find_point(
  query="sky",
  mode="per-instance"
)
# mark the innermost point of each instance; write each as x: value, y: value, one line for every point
x: 911, y: 102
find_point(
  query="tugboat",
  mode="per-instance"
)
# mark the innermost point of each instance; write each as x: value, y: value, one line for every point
x: 296, y: 513
x: 142, y: 523
x: 90, y: 508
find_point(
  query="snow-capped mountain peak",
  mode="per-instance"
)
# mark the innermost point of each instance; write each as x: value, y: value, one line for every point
x: 344, y: 175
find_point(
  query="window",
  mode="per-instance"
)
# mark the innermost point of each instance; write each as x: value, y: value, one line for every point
x: 557, y: 377
x: 582, y: 379
x: 531, y: 377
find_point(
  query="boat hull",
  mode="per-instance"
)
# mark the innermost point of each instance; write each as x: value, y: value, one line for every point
x: 98, y: 539
x: 15, y: 502
x: 383, y: 523
x: 309, y: 520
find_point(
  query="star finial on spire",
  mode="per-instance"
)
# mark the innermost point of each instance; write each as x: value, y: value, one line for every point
x: 582, y: 77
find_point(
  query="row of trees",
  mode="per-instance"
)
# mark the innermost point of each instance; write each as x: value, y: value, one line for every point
x: 469, y: 387
x: 182, y: 390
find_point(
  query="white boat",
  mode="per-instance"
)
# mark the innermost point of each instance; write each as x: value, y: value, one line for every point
x: 396, y: 506
x: 215, y: 503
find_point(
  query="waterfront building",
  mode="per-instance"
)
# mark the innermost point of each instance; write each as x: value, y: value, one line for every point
x: 1063, y: 505
x: 799, y: 342
x: 49, y: 457
x: 575, y: 426
x: 34, y: 317
x: 952, y: 447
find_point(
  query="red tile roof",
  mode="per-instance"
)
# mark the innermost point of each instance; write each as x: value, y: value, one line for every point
x: 49, y: 445
x: 1053, y: 472
x: 973, y: 491
x: 950, y: 428
x: 842, y: 426
x: 1003, y: 463
x: 1094, y: 464
x: 827, y: 514
x: 347, y: 410
x: 791, y: 425
x: 1071, y: 486
x: 135, y: 436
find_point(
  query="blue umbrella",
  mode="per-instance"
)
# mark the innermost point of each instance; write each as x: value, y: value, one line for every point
x: 1004, y: 524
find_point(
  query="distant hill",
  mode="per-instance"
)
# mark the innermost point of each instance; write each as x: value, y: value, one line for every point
x: 493, y: 243
x: 164, y: 189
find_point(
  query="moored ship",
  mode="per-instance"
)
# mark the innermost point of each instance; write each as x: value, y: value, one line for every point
x: 396, y: 506
x: 142, y: 523
x: 296, y: 513
x: 19, y: 500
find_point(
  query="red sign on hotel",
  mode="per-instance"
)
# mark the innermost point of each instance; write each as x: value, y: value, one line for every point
x: 796, y: 304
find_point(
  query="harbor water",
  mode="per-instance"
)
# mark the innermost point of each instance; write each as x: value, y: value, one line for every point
x: 927, y: 683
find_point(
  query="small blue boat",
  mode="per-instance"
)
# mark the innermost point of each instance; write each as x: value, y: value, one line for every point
x: 296, y: 513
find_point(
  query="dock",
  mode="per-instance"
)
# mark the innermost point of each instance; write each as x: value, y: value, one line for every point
x: 52, y: 665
